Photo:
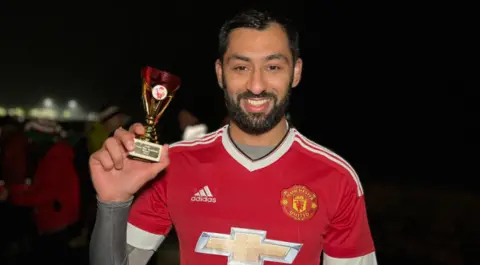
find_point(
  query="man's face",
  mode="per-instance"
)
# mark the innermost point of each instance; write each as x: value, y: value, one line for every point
x: 257, y: 75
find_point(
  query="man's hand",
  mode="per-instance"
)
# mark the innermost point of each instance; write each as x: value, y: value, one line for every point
x: 115, y: 176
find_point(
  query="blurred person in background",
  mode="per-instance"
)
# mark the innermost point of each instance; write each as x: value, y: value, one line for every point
x: 12, y: 146
x: 190, y: 126
x: 186, y: 118
x: 13, y: 152
x: 53, y: 194
x: 196, y: 111
x: 15, y: 155
x: 110, y: 118
x: 4, y: 225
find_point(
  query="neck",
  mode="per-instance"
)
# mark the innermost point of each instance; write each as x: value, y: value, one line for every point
x: 270, y: 138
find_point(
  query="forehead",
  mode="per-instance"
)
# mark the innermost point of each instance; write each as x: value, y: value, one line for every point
x: 253, y: 42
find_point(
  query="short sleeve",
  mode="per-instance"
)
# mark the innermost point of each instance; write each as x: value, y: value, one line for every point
x: 149, y: 221
x: 348, y: 239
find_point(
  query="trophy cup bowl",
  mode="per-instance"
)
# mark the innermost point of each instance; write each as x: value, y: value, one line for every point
x: 158, y: 90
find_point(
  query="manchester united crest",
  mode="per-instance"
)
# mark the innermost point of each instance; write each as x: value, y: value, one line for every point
x: 299, y: 203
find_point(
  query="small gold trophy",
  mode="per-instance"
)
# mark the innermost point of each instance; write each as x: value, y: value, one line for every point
x: 158, y: 90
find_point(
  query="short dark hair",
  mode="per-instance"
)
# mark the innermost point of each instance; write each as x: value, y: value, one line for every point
x: 259, y: 20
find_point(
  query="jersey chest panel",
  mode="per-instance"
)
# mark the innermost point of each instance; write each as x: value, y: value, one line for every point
x: 226, y: 203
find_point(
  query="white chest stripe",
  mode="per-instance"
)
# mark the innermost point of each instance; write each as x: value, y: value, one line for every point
x: 369, y: 259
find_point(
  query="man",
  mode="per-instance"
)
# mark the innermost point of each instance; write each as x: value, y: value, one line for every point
x: 254, y: 192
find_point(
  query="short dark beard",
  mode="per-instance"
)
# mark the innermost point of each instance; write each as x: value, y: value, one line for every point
x: 256, y: 123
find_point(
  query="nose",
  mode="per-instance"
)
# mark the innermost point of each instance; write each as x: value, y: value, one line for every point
x: 257, y: 83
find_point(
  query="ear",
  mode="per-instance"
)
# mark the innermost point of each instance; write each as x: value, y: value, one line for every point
x: 219, y: 72
x: 297, y: 72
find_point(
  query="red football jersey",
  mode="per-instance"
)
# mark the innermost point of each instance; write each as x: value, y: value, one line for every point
x: 287, y: 207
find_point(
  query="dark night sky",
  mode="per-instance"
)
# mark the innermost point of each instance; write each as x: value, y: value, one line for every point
x: 385, y: 83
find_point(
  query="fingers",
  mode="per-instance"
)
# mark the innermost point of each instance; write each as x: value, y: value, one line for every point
x: 103, y: 157
x: 137, y: 129
x: 113, y: 151
x: 126, y: 138
x: 116, y: 151
x: 163, y: 163
x: 164, y: 159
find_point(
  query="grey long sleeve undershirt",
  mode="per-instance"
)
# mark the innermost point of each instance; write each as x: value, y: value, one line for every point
x: 108, y: 245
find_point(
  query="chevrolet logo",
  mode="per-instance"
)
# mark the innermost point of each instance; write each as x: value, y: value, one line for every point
x: 247, y: 247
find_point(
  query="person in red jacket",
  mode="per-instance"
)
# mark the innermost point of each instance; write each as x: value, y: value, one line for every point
x: 54, y: 195
x: 17, y: 226
x: 13, y: 155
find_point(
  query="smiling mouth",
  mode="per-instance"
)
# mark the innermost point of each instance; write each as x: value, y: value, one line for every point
x: 257, y: 104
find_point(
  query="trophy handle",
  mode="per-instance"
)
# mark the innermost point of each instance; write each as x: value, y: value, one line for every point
x: 146, y: 106
x: 169, y: 99
x: 154, y: 106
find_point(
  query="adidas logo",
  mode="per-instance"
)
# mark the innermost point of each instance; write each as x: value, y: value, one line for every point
x: 204, y: 195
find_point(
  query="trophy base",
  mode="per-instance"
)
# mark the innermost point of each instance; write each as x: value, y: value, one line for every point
x: 146, y: 151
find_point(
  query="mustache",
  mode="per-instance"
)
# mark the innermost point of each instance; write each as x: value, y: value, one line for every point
x: 249, y: 94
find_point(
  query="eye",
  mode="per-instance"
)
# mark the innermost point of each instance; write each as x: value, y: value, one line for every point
x: 274, y: 68
x: 240, y: 68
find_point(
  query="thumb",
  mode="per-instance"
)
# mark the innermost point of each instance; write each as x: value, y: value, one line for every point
x: 163, y: 163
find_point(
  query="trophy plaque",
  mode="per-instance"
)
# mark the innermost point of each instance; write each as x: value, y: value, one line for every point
x: 158, y: 89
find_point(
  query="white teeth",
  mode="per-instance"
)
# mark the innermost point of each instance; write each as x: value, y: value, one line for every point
x: 257, y: 102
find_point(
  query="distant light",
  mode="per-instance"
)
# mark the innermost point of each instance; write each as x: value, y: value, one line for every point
x: 48, y: 103
x: 72, y: 104
x: 92, y: 116
x: 43, y: 113
x: 16, y: 112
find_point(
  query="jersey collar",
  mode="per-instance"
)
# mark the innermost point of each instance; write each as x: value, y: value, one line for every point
x: 260, y: 163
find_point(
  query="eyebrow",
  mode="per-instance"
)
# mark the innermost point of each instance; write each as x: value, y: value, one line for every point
x: 238, y: 57
x: 276, y: 56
